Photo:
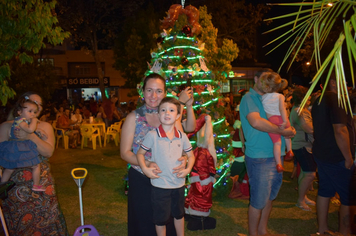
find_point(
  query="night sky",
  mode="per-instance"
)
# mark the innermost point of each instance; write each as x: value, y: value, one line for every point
x: 276, y: 57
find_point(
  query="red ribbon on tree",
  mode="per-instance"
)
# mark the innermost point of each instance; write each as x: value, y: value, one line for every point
x: 199, y: 88
x: 191, y: 12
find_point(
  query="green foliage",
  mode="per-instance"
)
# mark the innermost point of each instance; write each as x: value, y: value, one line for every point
x: 25, y: 26
x: 219, y: 59
x: 34, y: 77
x: 132, y: 49
x: 238, y: 21
x: 6, y: 91
x: 91, y: 23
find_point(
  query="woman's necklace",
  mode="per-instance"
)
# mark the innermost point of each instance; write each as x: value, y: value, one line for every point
x: 142, y: 111
x: 151, y: 116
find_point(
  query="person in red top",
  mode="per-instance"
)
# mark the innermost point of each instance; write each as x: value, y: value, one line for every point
x: 110, y: 110
x: 64, y: 122
x: 86, y: 113
x: 93, y: 106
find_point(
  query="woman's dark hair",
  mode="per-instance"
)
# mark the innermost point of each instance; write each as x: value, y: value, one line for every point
x: 20, y: 104
x: 29, y: 93
x: 172, y: 101
x: 153, y: 76
x: 298, y: 95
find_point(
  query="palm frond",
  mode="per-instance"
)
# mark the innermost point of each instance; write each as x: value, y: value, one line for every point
x: 320, y: 18
x: 330, y: 59
x: 298, y: 41
x: 286, y: 24
x: 351, y: 49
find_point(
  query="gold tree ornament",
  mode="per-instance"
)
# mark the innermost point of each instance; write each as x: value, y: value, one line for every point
x: 319, y: 18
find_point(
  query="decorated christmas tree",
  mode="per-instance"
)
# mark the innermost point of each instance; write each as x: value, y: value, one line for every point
x: 187, y: 53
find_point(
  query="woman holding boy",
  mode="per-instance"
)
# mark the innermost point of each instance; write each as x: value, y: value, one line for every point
x: 137, y: 124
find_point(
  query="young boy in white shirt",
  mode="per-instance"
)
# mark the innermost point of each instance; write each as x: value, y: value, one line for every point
x: 167, y: 144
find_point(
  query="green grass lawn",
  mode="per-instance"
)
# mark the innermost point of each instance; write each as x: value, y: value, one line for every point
x: 105, y: 204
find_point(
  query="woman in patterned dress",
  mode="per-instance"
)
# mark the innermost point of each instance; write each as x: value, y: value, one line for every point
x: 28, y: 212
x: 137, y: 124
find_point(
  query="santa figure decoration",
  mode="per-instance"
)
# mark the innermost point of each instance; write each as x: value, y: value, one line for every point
x: 199, y: 199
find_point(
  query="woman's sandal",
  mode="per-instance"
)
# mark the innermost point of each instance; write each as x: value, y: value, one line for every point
x: 304, y: 208
x: 38, y: 188
x: 310, y: 202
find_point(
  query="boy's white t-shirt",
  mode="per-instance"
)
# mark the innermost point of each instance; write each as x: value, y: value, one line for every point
x: 165, y: 153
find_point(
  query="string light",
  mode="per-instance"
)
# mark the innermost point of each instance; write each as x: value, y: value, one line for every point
x: 219, y: 121
x: 218, y: 181
x: 205, y: 104
x: 189, y: 58
x: 193, y: 81
x: 205, y: 92
x: 184, y: 70
x: 176, y: 47
x: 180, y: 37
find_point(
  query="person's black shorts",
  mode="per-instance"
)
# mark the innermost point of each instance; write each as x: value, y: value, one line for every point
x: 167, y: 202
x: 305, y: 159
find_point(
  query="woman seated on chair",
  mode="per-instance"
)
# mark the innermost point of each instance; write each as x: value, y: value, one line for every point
x: 86, y: 112
x: 77, y: 118
x: 59, y: 112
x: 67, y: 124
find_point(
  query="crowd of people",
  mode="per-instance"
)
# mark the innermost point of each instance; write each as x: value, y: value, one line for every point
x: 69, y: 116
x: 322, y: 141
x: 322, y: 136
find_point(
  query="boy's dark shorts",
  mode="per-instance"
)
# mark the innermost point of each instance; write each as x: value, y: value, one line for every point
x: 167, y: 202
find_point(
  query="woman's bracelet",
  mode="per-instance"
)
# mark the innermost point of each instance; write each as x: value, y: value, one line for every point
x: 182, y: 103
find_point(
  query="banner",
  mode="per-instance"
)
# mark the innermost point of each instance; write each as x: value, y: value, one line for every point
x: 86, y: 82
